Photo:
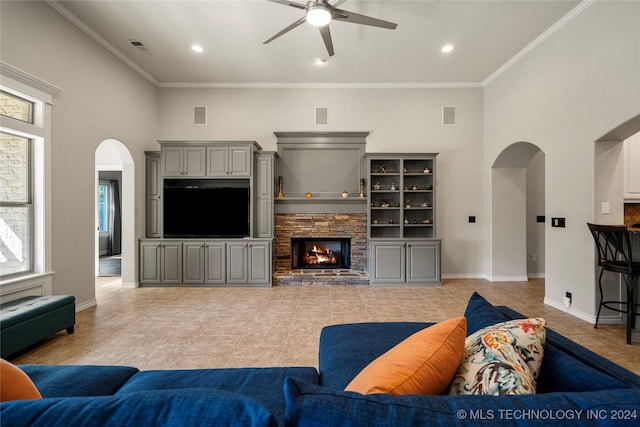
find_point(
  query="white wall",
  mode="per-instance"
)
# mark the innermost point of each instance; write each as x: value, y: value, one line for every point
x: 535, y: 207
x: 400, y: 120
x: 578, y: 85
x: 102, y: 98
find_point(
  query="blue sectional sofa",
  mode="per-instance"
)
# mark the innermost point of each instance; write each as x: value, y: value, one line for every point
x: 575, y: 387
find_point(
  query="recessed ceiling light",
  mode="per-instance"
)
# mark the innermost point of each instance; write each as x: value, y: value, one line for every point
x: 319, y: 61
x: 197, y: 48
x: 446, y: 48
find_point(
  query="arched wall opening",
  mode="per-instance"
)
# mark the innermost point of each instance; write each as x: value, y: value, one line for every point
x: 611, y: 199
x: 113, y: 155
x: 517, y: 213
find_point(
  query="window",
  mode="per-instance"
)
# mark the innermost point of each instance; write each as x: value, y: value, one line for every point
x: 104, y: 207
x: 16, y: 208
x: 15, y: 107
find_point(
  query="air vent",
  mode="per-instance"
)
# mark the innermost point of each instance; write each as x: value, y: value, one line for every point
x: 140, y: 46
x: 448, y: 115
x: 321, y: 115
x: 199, y: 115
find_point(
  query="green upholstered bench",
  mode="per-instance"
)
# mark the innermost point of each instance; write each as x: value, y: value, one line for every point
x: 28, y: 320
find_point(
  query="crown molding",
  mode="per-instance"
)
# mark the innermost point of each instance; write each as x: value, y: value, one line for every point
x: 274, y: 85
x: 25, y: 78
x: 557, y: 26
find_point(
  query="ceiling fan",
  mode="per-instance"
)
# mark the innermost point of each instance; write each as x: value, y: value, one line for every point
x: 320, y: 13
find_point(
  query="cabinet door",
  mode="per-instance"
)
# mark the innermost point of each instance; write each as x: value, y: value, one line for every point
x: 264, y: 176
x: 631, y: 169
x: 171, y: 263
x: 387, y: 262
x: 239, y: 161
x: 217, y: 161
x: 264, y: 184
x: 423, y: 262
x: 214, y: 261
x: 264, y: 218
x: 172, y: 161
x: 259, y: 262
x: 149, y: 262
x: 194, y: 161
x: 237, y: 262
x: 153, y: 196
x: 193, y: 262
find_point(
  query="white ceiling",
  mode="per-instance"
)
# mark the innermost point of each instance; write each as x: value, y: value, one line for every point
x: 486, y: 35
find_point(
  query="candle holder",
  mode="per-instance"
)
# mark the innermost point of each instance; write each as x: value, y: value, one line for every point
x: 361, y: 195
x: 280, y: 195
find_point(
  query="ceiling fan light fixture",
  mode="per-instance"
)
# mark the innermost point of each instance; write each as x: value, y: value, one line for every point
x: 318, y: 15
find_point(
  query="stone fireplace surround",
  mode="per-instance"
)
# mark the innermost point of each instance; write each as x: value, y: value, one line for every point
x: 320, y: 225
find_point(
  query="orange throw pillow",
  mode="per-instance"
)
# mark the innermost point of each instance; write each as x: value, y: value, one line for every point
x: 423, y: 363
x: 15, y: 384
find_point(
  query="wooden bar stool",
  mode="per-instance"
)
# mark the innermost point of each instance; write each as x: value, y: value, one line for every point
x: 614, y: 254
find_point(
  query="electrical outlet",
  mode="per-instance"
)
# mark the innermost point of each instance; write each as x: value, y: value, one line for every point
x: 568, y: 299
x: 557, y: 222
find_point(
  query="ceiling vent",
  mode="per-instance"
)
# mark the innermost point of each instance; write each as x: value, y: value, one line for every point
x: 140, y: 46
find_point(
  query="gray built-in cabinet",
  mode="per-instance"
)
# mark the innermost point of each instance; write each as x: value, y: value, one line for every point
x: 209, y: 262
x: 403, y: 247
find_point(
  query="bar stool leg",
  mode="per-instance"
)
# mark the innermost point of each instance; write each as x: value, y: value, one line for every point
x: 601, y: 298
x: 630, y: 307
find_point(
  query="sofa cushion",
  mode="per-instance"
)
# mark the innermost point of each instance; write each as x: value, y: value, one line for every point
x: 502, y: 359
x: 423, y: 363
x: 264, y: 385
x: 175, y: 408
x: 312, y: 405
x: 347, y: 349
x: 78, y: 380
x: 480, y: 314
x: 15, y: 384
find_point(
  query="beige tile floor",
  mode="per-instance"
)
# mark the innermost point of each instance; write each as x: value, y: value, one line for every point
x: 160, y: 328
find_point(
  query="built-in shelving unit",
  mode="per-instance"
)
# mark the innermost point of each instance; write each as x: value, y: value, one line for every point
x: 401, y: 219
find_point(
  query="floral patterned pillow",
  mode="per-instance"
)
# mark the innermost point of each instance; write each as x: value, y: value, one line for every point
x: 501, y: 359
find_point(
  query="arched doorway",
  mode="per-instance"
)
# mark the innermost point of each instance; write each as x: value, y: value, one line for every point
x: 517, y: 213
x: 113, y: 155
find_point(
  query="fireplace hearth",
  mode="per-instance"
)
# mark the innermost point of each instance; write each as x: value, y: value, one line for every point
x: 321, y: 253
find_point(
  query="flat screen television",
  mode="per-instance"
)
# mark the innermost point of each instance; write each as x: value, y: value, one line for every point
x: 206, y: 208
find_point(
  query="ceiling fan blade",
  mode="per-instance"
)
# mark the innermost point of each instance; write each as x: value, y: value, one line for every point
x: 290, y: 3
x: 338, y: 3
x: 287, y: 29
x: 326, y: 37
x: 355, y: 18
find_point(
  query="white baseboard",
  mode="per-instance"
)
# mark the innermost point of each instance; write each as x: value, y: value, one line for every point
x: 508, y: 279
x: 133, y: 285
x: 535, y: 275
x: 464, y: 276
x: 85, y: 305
x: 604, y: 320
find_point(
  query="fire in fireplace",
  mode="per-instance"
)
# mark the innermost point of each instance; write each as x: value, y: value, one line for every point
x: 322, y: 253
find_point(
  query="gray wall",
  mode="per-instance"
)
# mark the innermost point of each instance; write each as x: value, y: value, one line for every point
x: 581, y: 83
x: 400, y: 120
x: 101, y: 98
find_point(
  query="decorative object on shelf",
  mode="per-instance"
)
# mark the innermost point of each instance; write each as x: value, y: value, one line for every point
x: 404, y: 170
x: 345, y: 194
x: 426, y: 170
x: 407, y: 203
x: 393, y: 186
x: 392, y: 221
x: 384, y: 204
x: 361, y: 195
x: 406, y: 221
x: 428, y: 187
x: 414, y: 187
x: 383, y: 169
x: 280, y: 195
x: 415, y: 221
x: 397, y: 204
x: 425, y: 204
x: 375, y: 221
x: 376, y: 186
x: 426, y: 221
x: 308, y: 195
